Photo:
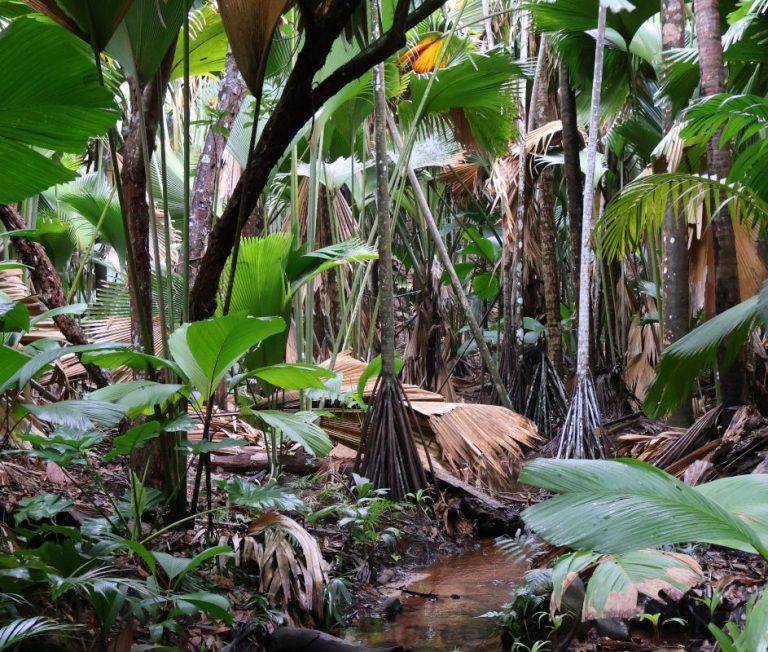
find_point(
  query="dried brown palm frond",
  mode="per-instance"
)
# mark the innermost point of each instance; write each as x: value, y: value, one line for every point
x: 484, y: 441
x: 352, y: 369
x: 290, y: 564
x: 334, y: 222
x: 643, y: 340
x: 250, y: 26
x: 12, y: 284
x: 699, y: 433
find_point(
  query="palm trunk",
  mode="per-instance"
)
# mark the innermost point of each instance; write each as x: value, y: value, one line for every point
x: 547, y: 229
x: 228, y: 106
x: 708, y: 34
x: 675, y: 310
x: 580, y: 437
x: 134, y: 181
x: 514, y: 253
x: 387, y: 453
x: 572, y: 168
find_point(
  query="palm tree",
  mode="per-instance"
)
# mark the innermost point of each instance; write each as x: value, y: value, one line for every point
x: 719, y: 158
x: 675, y: 311
x: 580, y: 436
x: 387, y: 453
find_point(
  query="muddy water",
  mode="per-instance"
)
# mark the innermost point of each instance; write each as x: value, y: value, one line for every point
x: 482, y: 580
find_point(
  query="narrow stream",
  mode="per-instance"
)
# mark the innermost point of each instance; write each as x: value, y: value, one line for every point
x: 481, y: 579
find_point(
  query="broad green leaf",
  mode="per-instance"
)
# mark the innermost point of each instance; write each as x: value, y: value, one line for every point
x: 293, y: 375
x: 206, y: 350
x: 50, y: 98
x: 618, y: 582
x: 299, y: 427
x: 177, y: 567
x: 11, y: 361
x: 207, y: 45
x: 202, y: 446
x: 41, y: 507
x: 134, y: 438
x: 244, y: 493
x: 684, y: 360
x: 77, y: 413
x: 373, y: 369
x: 73, y: 309
x: 126, y: 358
x: 604, y: 506
x: 94, y: 21
x: 136, y: 396
x: 14, y: 317
x: 212, y: 604
x: 42, y: 359
x: 486, y: 285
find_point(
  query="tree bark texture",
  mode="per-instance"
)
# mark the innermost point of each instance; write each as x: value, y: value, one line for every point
x: 230, y: 99
x: 47, y: 284
x: 675, y: 307
x: 542, y: 114
x: 582, y: 362
x: 298, y: 102
x: 386, y: 281
x: 709, y: 34
x: 133, y: 175
x: 573, y: 181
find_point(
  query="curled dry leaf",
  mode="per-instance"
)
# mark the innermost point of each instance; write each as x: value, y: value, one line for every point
x: 290, y: 564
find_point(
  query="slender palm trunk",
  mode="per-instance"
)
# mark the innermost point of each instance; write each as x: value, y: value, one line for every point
x: 580, y: 437
x: 134, y: 181
x: 228, y: 105
x: 709, y: 34
x: 387, y: 453
x: 674, y: 230
x: 546, y: 202
x: 573, y: 181
x: 514, y: 254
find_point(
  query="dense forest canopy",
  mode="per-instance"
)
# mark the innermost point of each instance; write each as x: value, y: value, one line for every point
x: 286, y: 286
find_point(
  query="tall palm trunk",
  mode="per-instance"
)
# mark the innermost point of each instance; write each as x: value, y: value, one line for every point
x: 573, y: 181
x: 708, y: 34
x: 674, y: 231
x: 387, y: 453
x: 146, y: 99
x: 514, y: 251
x: 546, y: 201
x: 580, y: 437
x: 230, y: 99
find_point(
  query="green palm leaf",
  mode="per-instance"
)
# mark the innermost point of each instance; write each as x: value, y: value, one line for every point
x: 743, y: 119
x: 480, y: 85
x: 697, y: 351
x: 639, y: 209
x: 50, y: 98
x: 605, y: 506
x: 22, y: 629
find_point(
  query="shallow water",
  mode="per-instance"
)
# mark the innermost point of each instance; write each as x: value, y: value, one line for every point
x: 481, y: 578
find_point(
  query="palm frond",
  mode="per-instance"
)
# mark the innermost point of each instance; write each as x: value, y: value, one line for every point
x: 693, y: 354
x: 639, y: 209
x: 22, y: 629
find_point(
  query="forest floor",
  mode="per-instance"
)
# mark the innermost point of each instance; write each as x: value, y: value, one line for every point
x: 375, y: 555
